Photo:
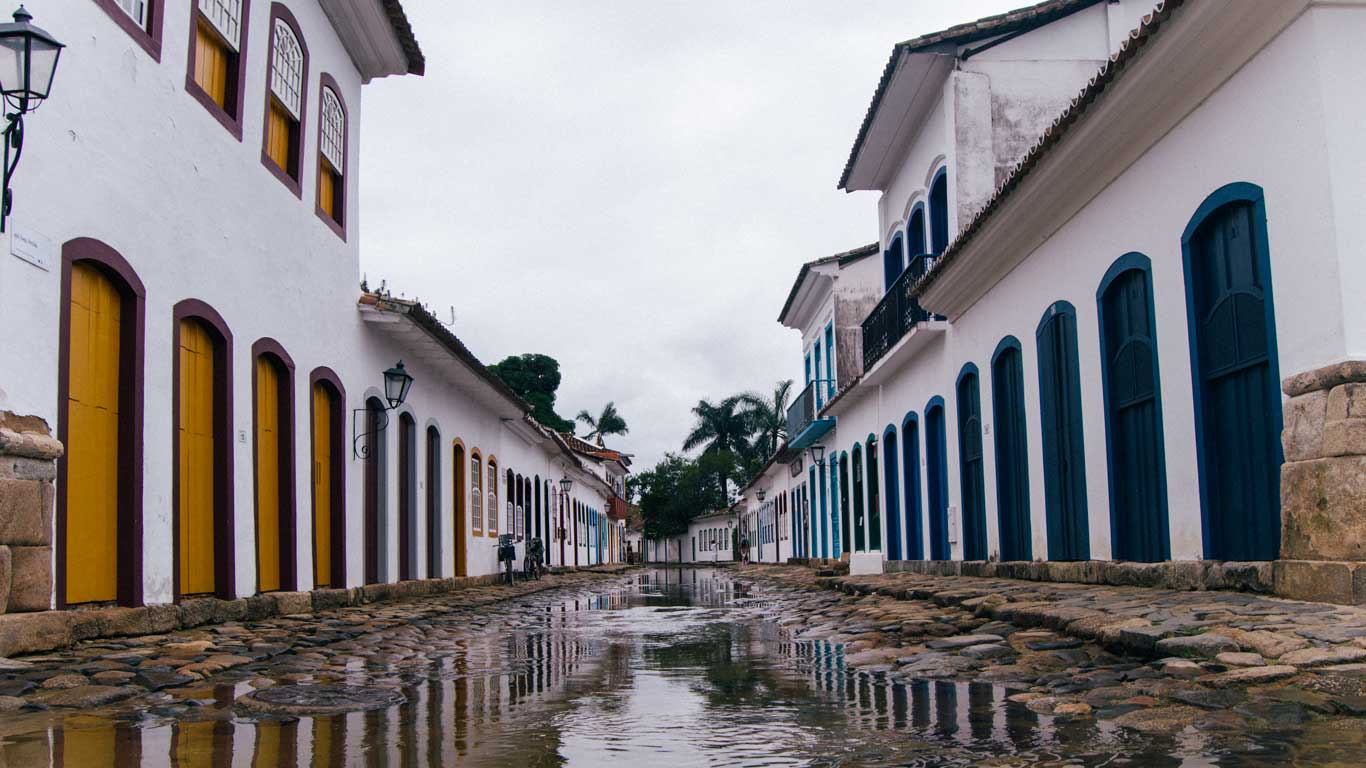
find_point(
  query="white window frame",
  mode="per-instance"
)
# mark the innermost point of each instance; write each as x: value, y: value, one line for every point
x: 223, y: 15
x: 287, y: 68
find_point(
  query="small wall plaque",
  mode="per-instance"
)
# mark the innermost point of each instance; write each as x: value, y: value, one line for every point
x: 33, y: 247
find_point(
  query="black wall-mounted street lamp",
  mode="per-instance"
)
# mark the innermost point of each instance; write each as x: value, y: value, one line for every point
x: 566, y: 485
x: 28, y: 62
x: 397, y: 382
x: 818, y: 455
x: 759, y: 494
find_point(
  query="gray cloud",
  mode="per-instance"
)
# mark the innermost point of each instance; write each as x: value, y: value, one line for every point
x: 629, y: 187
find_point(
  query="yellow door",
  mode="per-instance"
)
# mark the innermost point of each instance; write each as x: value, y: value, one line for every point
x: 268, y: 474
x: 92, y: 431
x: 196, y: 460
x: 322, y: 486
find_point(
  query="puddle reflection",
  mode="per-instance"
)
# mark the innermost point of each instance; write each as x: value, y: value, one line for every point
x: 674, y: 669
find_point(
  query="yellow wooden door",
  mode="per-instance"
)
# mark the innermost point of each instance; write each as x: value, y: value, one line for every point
x: 92, y: 431
x: 322, y: 486
x: 196, y: 461
x: 267, y: 474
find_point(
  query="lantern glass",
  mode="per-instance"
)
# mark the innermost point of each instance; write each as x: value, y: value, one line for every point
x: 818, y: 455
x: 760, y: 495
x: 28, y: 59
x: 397, y: 382
x: 566, y: 484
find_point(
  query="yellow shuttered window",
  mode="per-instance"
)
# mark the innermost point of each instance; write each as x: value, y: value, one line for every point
x: 287, y: 63
x: 211, y: 64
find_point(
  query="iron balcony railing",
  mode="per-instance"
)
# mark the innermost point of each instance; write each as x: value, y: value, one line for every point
x: 804, y: 409
x: 896, y: 314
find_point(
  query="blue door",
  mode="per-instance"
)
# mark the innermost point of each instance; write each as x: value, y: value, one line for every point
x: 874, y: 498
x: 835, y: 516
x: 892, y: 493
x: 970, y: 467
x: 910, y: 463
x: 846, y: 490
x: 937, y: 479
x: 1236, y: 377
x: 1133, y: 413
x: 1012, y: 453
x: 860, y: 537
x: 1064, y: 462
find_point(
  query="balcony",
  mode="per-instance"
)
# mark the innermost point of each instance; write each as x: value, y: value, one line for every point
x: 896, y: 314
x: 803, y: 428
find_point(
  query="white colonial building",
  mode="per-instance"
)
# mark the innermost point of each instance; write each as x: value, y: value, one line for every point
x: 1110, y: 312
x: 181, y: 308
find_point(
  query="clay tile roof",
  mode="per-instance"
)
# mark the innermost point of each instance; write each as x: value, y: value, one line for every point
x: 417, y: 63
x: 1093, y: 92
x: 847, y: 257
x: 989, y: 26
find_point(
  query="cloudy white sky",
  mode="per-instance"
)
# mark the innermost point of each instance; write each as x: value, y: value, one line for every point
x: 629, y: 186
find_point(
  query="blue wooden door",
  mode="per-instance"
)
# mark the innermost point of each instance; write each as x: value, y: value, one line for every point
x: 892, y: 493
x: 1012, y: 461
x: 970, y: 466
x: 1238, y: 397
x: 874, y: 498
x: 937, y: 479
x: 860, y: 539
x: 846, y: 490
x: 1064, y: 463
x: 910, y: 461
x: 1138, y: 483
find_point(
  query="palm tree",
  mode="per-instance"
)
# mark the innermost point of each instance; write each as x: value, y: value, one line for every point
x: 768, y: 417
x: 609, y: 422
x: 720, y: 428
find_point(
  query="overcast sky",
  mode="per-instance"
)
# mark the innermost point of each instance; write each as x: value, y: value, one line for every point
x: 629, y: 187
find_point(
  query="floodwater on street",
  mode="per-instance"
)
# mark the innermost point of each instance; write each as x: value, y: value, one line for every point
x: 666, y: 667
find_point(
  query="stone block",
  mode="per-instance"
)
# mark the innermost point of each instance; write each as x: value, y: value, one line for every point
x: 25, y: 512
x: 1323, y: 509
x: 330, y: 599
x: 289, y: 603
x: 1347, y: 401
x: 1345, y: 437
x: 145, y: 620
x: 1244, y: 577
x: 1327, y: 377
x: 260, y: 607
x: 1324, y: 582
x: 1304, y: 418
x: 25, y: 468
x: 34, y: 632
x: 5, y: 571
x: 30, y: 580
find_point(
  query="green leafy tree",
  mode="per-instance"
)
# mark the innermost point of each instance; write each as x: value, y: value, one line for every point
x: 721, y: 428
x: 535, y: 378
x: 768, y: 416
x: 609, y: 422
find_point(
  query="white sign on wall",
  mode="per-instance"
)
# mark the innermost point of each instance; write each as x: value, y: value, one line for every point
x: 33, y: 247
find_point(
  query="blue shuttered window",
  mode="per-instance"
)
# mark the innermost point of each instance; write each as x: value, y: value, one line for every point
x: 1012, y: 452
x: 970, y: 465
x: 1064, y: 462
x: 910, y: 463
x: 937, y: 478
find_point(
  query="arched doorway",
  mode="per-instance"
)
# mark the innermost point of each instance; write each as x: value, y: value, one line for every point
x: 407, y: 497
x: 937, y: 478
x: 1012, y: 451
x: 460, y: 523
x: 972, y: 474
x: 327, y: 403
x: 1236, y: 374
x: 99, y: 477
x: 202, y: 496
x: 892, y: 492
x: 1064, y: 456
x: 376, y: 458
x: 273, y: 409
x: 433, y: 482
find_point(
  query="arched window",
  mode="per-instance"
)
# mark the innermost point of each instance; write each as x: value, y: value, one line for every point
x: 99, y: 493
x: 939, y: 213
x: 201, y: 406
x: 285, y: 98
x: 141, y: 19
x: 328, y: 403
x: 407, y: 497
x: 1064, y: 455
x: 970, y: 465
x: 274, y: 449
x: 915, y: 232
x: 893, y: 261
x: 892, y: 492
x: 491, y: 494
x: 1236, y: 377
x: 476, y: 494
x: 910, y: 468
x: 332, y: 156
x: 1012, y: 453
x: 218, y: 45
x: 376, y: 489
x: 514, y: 486
x: 937, y: 478
x: 433, y: 503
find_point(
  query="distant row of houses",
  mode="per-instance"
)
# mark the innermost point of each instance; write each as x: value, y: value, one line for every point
x: 181, y: 314
x: 1111, y: 310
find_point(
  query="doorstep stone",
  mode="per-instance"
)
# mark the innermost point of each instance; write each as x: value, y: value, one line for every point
x: 32, y: 632
x: 1325, y: 582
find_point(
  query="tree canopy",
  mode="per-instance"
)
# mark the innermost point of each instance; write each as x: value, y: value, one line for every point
x: 535, y: 378
x: 609, y: 422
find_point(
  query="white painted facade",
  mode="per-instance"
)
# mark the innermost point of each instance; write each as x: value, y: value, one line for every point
x: 1270, y: 104
x: 123, y: 154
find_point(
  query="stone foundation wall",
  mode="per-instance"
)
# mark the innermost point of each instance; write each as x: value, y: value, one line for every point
x: 1323, y: 485
x: 28, y: 469
x: 1182, y: 575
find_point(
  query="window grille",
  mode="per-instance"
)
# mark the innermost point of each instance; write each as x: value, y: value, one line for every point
x: 224, y: 15
x: 287, y: 68
x: 334, y: 129
x: 476, y: 495
x: 136, y: 10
